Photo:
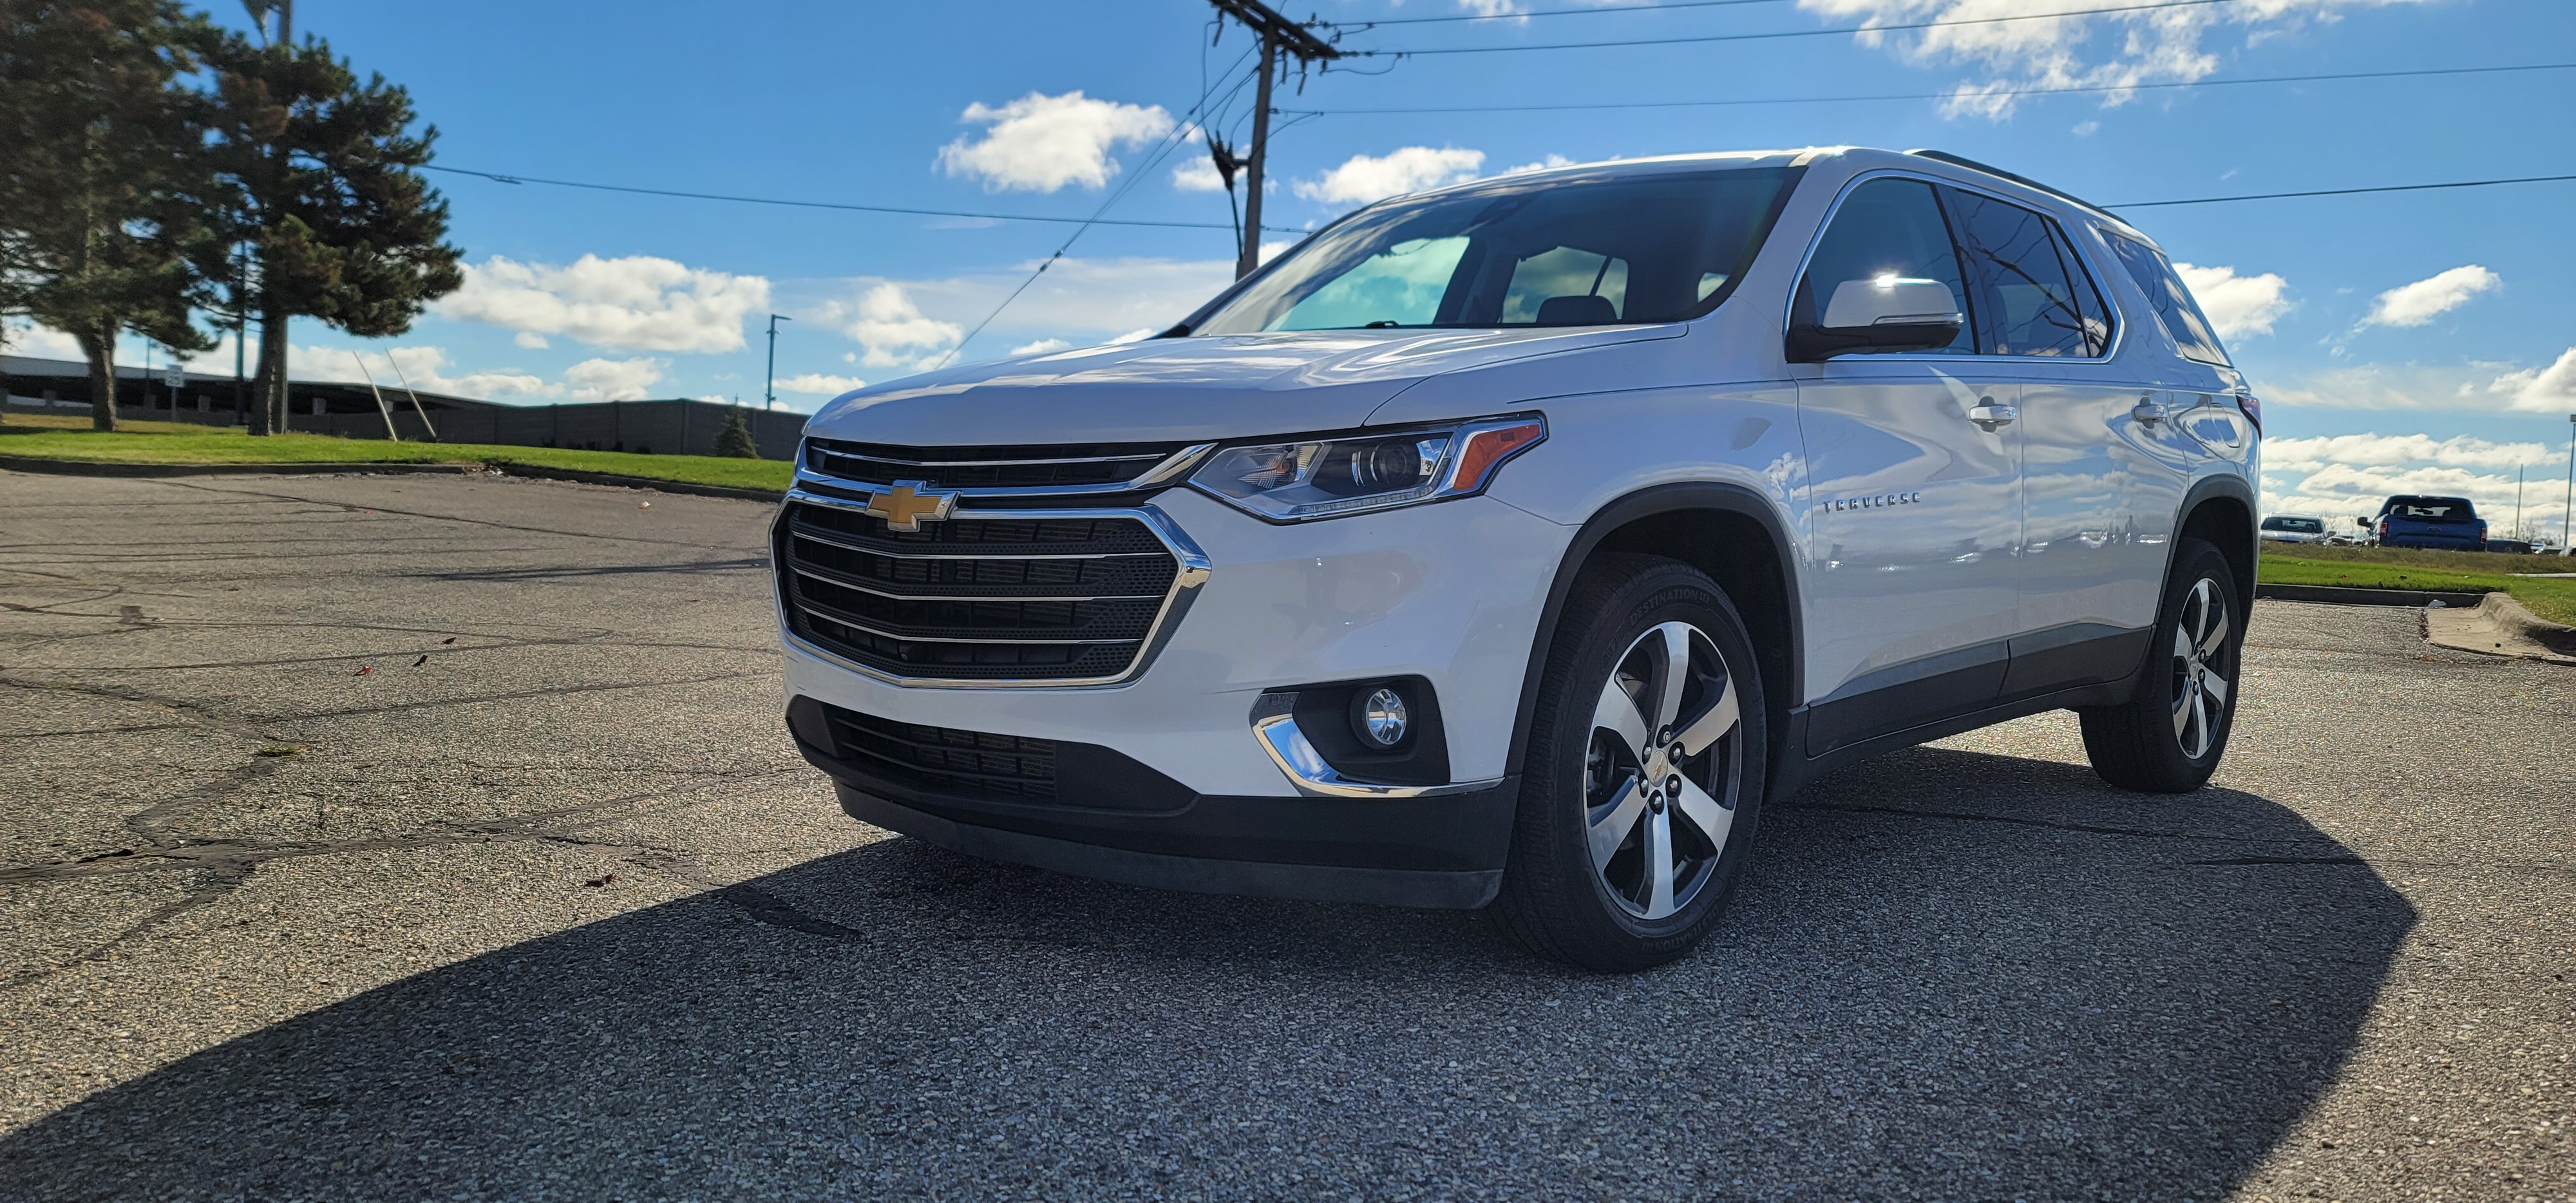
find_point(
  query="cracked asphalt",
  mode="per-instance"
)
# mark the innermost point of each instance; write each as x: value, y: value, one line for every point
x: 398, y: 836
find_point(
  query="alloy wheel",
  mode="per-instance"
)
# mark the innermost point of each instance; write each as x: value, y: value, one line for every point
x: 1663, y: 770
x: 2202, y: 677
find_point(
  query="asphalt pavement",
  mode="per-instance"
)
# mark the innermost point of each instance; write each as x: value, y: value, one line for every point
x: 406, y: 837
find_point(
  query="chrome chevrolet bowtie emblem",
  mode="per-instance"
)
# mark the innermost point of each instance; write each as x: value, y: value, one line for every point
x: 906, y: 506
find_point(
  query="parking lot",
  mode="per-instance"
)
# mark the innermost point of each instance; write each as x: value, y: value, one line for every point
x: 410, y: 836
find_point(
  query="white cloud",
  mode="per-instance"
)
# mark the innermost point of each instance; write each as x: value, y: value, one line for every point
x: 612, y: 379
x: 1365, y: 178
x: 1138, y: 335
x: 1042, y: 346
x: 2236, y: 304
x: 2116, y: 50
x: 530, y: 340
x: 2341, y: 476
x: 2086, y: 129
x: 1551, y: 161
x: 637, y: 302
x: 2419, y: 303
x: 1041, y: 143
x: 2382, y: 450
x: 891, y: 328
x: 1198, y: 174
x: 1492, y: 8
x: 21, y: 337
x: 820, y: 384
x: 2546, y: 390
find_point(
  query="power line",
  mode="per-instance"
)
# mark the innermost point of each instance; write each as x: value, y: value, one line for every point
x: 2213, y: 200
x: 499, y: 177
x: 1789, y: 33
x: 1682, y: 104
x: 1545, y: 12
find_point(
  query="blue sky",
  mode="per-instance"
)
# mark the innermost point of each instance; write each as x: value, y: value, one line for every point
x: 2441, y: 325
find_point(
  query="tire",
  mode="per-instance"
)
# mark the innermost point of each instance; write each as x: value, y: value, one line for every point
x: 2168, y: 739
x: 1669, y: 796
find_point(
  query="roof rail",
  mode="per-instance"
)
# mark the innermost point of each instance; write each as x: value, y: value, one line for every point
x: 1940, y: 156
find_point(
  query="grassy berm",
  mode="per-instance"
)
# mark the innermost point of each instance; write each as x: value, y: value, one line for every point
x: 70, y: 438
x: 2436, y: 571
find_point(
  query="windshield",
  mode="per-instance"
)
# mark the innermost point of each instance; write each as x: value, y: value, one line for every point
x: 2300, y: 526
x: 1580, y: 252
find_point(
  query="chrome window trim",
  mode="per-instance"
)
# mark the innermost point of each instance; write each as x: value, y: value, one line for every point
x: 1307, y: 770
x: 2119, y: 327
x: 1163, y: 471
x: 1191, y: 574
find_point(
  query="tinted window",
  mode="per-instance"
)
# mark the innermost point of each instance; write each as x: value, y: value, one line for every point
x: 1652, y: 249
x: 1887, y: 227
x: 2026, y: 292
x: 2296, y: 526
x: 2099, y: 317
x: 2435, y: 509
x: 2175, y: 310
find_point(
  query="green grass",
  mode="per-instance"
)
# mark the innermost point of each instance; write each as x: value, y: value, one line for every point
x: 2433, y: 571
x: 69, y: 438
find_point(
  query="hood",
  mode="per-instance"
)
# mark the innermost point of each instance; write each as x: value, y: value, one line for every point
x: 1187, y: 389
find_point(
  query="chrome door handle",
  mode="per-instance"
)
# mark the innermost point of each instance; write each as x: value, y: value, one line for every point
x: 2147, y: 413
x: 1991, y: 417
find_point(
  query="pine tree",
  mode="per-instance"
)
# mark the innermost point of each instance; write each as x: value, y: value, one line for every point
x: 323, y: 187
x: 734, y: 441
x: 95, y: 238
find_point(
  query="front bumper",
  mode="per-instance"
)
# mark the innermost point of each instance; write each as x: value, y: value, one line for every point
x: 1450, y: 593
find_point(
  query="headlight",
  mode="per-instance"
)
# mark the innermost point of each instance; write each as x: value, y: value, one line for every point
x: 1295, y: 479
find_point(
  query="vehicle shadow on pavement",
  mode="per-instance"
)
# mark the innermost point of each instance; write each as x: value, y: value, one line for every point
x: 1952, y: 974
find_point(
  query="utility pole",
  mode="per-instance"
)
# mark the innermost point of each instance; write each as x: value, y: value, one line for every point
x: 1278, y: 35
x: 769, y: 388
x: 2567, y: 517
x: 2517, y: 501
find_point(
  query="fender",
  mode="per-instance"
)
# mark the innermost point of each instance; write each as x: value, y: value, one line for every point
x: 2232, y: 486
x: 1644, y: 503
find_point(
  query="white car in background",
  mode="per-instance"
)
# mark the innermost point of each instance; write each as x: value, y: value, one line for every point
x: 1513, y: 543
x: 2294, y: 528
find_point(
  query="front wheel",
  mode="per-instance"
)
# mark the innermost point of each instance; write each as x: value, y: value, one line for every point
x: 2168, y: 739
x: 1644, y: 774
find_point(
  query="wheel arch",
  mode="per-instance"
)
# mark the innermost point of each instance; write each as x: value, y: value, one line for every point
x: 1728, y: 531
x: 2222, y: 511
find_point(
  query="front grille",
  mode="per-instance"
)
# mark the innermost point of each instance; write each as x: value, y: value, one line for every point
x: 947, y: 760
x: 973, y: 598
x: 1087, y: 465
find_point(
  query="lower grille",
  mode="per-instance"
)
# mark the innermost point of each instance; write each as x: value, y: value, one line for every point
x: 1055, y: 598
x: 947, y: 760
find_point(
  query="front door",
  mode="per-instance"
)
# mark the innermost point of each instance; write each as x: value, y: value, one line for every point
x: 1913, y: 495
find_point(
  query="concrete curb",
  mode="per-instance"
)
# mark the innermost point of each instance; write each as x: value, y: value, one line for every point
x: 2336, y: 595
x: 2501, y: 626
x: 74, y: 467
x: 638, y: 482
x: 71, y: 467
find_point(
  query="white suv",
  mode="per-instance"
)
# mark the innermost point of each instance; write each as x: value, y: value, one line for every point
x: 1513, y: 543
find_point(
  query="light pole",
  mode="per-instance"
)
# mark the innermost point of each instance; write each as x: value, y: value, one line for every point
x: 2567, y: 517
x: 769, y: 387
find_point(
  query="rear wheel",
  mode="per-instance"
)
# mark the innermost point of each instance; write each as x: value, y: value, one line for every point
x: 2169, y: 738
x: 1644, y: 774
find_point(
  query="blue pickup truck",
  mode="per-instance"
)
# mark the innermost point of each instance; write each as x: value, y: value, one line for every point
x: 2440, y: 523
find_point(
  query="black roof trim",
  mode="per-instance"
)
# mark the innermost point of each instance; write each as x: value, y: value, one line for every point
x: 1942, y: 156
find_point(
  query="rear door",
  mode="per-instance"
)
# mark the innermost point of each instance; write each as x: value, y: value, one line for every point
x: 2100, y: 492
x: 1914, y: 505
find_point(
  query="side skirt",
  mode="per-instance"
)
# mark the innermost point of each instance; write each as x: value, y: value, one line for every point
x: 1797, y: 769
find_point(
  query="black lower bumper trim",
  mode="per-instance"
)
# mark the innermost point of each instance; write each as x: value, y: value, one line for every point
x: 1120, y: 820
x: 1464, y: 889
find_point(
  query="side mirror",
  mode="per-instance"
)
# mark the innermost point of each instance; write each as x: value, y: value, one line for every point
x: 1889, y: 313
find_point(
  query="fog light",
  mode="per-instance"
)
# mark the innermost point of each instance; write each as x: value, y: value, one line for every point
x: 1380, y: 719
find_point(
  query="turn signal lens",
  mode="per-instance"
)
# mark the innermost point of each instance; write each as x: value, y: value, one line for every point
x: 2253, y: 410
